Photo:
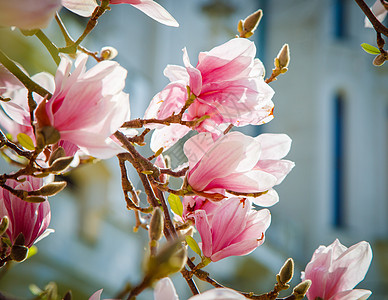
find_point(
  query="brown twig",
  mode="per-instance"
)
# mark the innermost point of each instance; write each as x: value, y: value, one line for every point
x: 372, y: 18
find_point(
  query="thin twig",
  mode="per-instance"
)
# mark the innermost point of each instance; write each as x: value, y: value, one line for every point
x: 372, y: 18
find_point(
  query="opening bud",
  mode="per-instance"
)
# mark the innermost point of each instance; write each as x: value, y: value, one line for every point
x: 50, y: 189
x: 380, y: 59
x: 108, y: 53
x: 286, y: 272
x: 283, y: 57
x: 247, y: 27
x: 170, y: 259
x: 156, y: 225
x: 301, y: 289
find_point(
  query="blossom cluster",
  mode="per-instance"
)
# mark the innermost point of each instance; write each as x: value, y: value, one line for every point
x: 229, y: 175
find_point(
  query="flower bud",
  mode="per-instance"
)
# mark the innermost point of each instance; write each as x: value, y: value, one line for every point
x: 380, y: 59
x: 253, y: 20
x: 19, y: 253
x: 170, y: 259
x: 247, y: 27
x: 34, y: 199
x: 108, y: 53
x: 156, y: 225
x: 286, y: 272
x: 301, y: 289
x: 283, y: 57
x: 50, y: 189
x: 4, y: 225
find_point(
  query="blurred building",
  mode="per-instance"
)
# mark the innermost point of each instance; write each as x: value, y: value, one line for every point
x: 332, y: 102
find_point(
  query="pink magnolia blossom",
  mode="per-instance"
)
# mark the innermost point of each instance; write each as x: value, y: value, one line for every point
x: 220, y: 239
x: 152, y: 9
x: 28, y: 14
x: 165, y: 290
x: 335, y: 270
x: 31, y: 219
x: 238, y: 163
x: 379, y: 11
x: 229, y: 88
x: 87, y: 107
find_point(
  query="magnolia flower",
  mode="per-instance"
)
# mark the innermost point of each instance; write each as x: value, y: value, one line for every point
x: 28, y: 14
x: 152, y: 9
x: 238, y: 163
x: 379, y: 11
x: 335, y: 270
x: 30, y: 219
x: 228, y: 87
x: 87, y: 107
x: 220, y: 240
x: 165, y: 290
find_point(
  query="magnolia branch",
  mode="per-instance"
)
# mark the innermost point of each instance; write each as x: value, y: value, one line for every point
x: 380, y: 28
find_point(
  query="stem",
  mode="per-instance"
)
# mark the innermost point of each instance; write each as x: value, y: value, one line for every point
x: 98, y: 12
x: 372, y: 18
x: 68, y: 39
x: 26, y: 80
x: 146, y: 165
x: 5, y: 142
x: 168, y: 222
x: 52, y: 49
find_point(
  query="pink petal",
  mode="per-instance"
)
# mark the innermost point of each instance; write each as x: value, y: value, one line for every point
x: 203, y: 227
x: 93, y: 144
x: 235, y: 152
x: 268, y: 199
x: 241, y: 248
x: 175, y: 73
x: 167, y: 136
x: 274, y: 146
x: 96, y: 295
x: 170, y: 100
x: 219, y: 294
x: 165, y: 290
x: 277, y: 168
x: 356, y: 261
x: 83, y: 8
x: 152, y: 9
x: 194, y: 75
x: 250, y: 182
x: 352, y: 294
x: 196, y: 147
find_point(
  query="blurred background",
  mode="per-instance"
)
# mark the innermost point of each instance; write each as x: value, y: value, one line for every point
x: 332, y: 102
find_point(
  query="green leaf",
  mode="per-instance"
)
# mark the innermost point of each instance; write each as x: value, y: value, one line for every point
x: 175, y: 204
x: 193, y: 245
x: 370, y: 49
x: 25, y: 141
